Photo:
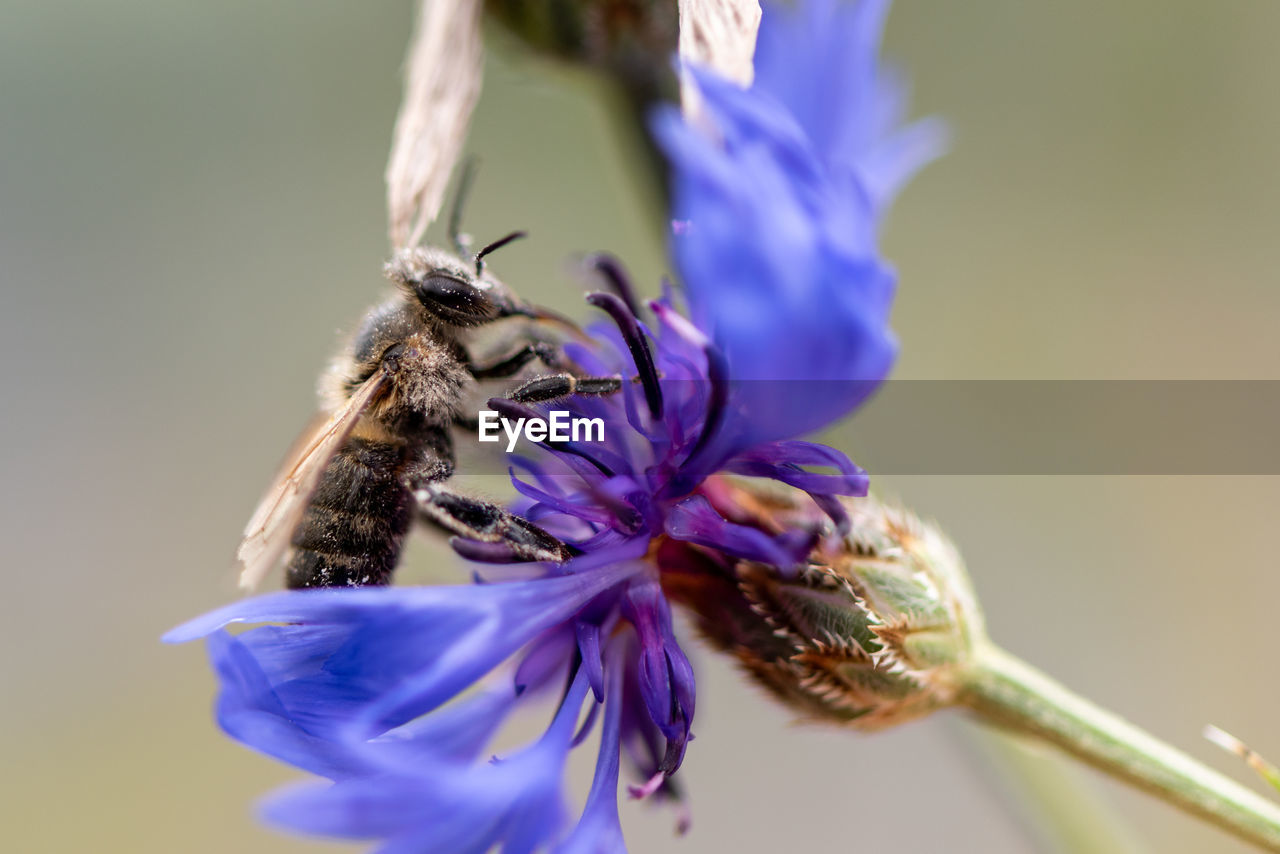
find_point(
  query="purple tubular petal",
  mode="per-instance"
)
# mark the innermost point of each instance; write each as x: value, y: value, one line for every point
x: 782, y: 461
x: 680, y: 672
x: 581, y: 509
x: 587, y: 724
x: 706, y: 456
x: 546, y: 657
x: 665, y: 677
x: 612, y: 552
x: 694, y: 520
x: 560, y: 733
x: 637, y: 344
x: 588, y: 635
x: 599, y: 831
x: 835, y: 511
x: 643, y: 742
x: 718, y: 379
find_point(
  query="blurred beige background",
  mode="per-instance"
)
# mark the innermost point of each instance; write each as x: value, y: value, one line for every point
x: 191, y: 205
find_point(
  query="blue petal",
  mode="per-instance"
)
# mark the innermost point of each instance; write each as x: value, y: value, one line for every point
x: 439, y: 804
x: 546, y: 657
x: 458, y: 732
x: 782, y: 269
x: 249, y: 712
x: 820, y: 60
x: 367, y: 660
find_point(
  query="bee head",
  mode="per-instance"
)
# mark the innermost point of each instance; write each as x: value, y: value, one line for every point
x: 453, y: 291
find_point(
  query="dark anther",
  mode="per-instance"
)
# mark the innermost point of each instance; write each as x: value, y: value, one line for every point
x: 616, y: 277
x: 637, y: 344
x: 495, y: 246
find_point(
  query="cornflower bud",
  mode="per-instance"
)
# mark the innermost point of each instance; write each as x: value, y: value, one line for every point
x: 870, y: 631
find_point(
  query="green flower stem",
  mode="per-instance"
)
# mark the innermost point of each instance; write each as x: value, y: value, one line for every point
x: 1004, y: 691
x: 1053, y: 798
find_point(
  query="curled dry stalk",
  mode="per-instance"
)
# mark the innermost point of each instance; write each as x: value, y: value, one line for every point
x: 632, y: 44
x: 717, y: 34
x: 443, y: 72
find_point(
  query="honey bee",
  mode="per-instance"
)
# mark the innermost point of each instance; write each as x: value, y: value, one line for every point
x: 379, y: 455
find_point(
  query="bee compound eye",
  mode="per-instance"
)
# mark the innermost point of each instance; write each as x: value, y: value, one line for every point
x: 391, y: 358
x: 453, y: 299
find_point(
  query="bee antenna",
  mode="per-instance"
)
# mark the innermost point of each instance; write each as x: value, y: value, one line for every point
x: 495, y: 246
x: 460, y: 241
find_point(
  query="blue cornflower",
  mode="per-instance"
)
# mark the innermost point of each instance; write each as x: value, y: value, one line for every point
x: 778, y: 192
x: 782, y: 205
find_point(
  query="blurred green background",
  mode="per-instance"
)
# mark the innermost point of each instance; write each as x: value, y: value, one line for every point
x: 191, y: 205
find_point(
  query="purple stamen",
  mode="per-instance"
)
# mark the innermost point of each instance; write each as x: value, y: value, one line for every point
x: 616, y: 277
x: 624, y: 316
x: 718, y: 378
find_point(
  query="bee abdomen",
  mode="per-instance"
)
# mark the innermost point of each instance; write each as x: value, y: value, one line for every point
x: 354, y: 528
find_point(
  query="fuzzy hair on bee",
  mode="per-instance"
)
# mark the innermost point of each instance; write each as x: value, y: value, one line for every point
x: 357, y: 482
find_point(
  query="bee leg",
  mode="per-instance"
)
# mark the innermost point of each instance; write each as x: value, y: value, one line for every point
x: 511, y: 365
x: 555, y: 386
x: 479, y: 521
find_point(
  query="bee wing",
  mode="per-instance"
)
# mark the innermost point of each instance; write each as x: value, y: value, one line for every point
x: 269, y: 531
